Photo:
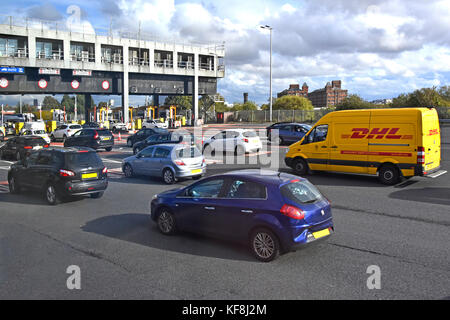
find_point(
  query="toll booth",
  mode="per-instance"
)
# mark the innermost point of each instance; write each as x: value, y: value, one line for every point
x: 220, y: 117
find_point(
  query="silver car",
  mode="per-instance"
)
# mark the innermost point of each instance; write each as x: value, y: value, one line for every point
x: 169, y: 161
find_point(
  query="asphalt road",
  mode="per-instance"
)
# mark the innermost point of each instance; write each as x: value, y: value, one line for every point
x: 403, y: 229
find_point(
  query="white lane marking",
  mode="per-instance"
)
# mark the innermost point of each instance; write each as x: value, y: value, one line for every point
x: 10, y: 162
x: 4, y: 168
x: 111, y: 161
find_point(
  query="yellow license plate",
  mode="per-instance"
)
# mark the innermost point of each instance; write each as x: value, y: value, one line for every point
x: 89, y: 175
x: 321, y: 233
x: 106, y: 138
x: 196, y: 171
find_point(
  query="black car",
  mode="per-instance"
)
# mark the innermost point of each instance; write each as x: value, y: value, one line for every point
x: 20, y: 147
x: 143, y: 134
x: 288, y: 132
x: 92, y: 138
x: 91, y: 125
x: 60, y: 173
x: 2, y: 136
x: 169, y: 137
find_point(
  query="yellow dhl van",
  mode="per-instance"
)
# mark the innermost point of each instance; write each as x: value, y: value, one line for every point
x: 389, y: 143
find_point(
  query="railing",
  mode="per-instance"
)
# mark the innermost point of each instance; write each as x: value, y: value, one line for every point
x: 82, y: 56
x: 113, y: 59
x: 138, y: 61
x: 164, y: 63
x: 206, y: 66
x: 186, y: 65
x: 54, y: 55
x: 14, y: 53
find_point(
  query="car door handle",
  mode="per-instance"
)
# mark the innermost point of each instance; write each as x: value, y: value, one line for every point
x: 247, y: 211
x: 210, y: 208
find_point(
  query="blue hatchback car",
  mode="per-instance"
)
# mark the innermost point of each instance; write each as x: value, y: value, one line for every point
x: 272, y: 212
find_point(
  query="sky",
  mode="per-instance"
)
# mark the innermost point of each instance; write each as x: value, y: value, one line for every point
x: 378, y: 48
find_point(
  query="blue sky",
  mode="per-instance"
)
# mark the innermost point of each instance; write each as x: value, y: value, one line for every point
x: 378, y: 48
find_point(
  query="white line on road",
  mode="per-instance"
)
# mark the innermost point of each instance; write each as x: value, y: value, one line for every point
x: 111, y: 161
x: 4, y: 168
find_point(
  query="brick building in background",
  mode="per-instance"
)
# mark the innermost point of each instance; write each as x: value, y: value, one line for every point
x: 329, y: 96
x: 294, y: 90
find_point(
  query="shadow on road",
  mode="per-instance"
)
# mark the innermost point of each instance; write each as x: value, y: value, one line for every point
x: 32, y: 198
x: 139, y: 229
x: 427, y: 195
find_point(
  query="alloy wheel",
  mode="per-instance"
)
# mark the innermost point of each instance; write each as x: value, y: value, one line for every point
x: 264, y: 245
x: 168, y: 176
x: 51, y: 194
x: 166, y: 222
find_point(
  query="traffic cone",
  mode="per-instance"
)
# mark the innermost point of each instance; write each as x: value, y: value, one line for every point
x: 120, y: 138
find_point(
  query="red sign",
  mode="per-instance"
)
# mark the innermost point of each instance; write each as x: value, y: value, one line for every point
x: 4, y: 83
x: 75, y: 84
x: 42, y: 83
x: 105, y: 85
x: 376, y: 133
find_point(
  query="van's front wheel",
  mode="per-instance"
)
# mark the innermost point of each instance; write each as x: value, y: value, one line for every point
x: 300, y: 166
x: 389, y: 174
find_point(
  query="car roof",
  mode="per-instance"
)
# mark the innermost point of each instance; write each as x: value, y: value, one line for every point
x: 263, y: 176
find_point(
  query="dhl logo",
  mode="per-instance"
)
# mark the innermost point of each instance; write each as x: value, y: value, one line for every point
x: 376, y: 133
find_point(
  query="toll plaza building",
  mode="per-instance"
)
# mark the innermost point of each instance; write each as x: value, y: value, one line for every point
x: 38, y: 57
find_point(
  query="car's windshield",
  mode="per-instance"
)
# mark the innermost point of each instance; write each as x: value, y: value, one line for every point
x: 301, y: 192
x: 39, y: 132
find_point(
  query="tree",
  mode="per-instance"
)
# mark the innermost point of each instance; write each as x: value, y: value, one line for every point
x: 205, y: 103
x: 182, y: 102
x: 50, y: 103
x: 354, y: 101
x: 69, y: 103
x: 292, y: 103
x: 249, y: 105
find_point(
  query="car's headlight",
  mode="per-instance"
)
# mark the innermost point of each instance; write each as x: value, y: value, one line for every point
x: 154, y: 197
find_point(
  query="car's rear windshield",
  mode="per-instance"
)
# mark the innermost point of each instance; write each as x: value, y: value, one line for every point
x: 83, y: 158
x: 188, y: 152
x: 301, y: 192
x: 77, y: 126
x: 104, y: 132
x: 250, y: 134
x: 34, y: 141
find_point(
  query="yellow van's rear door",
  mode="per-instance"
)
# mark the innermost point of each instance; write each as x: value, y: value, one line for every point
x: 431, y: 134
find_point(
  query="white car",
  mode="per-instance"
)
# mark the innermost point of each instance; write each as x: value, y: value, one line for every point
x: 239, y: 141
x: 39, y: 133
x: 155, y: 124
x: 64, y: 131
x: 118, y: 126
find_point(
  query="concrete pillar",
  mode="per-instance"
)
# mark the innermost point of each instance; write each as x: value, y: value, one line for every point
x: 32, y: 49
x: 126, y: 86
x: 195, y: 88
x: 66, y: 52
x: 87, y: 106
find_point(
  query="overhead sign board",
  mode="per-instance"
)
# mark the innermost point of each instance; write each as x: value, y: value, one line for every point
x: 12, y: 70
x: 49, y: 71
x: 83, y: 73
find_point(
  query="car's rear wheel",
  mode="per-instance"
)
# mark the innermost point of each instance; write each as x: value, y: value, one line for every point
x: 196, y: 177
x: 265, y: 245
x: 129, y: 143
x: 389, y: 175
x: 14, y: 187
x: 168, y: 176
x: 51, y: 195
x: 166, y: 222
x: 128, y: 171
x: 300, y: 167
x: 97, y: 195
x: 239, y: 150
x: 108, y: 149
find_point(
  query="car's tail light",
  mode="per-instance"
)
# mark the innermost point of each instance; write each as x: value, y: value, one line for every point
x: 28, y: 147
x: 204, y: 161
x: 46, y: 146
x: 105, y: 170
x: 420, y: 155
x: 66, y: 173
x: 295, y: 180
x: 292, y: 212
x: 245, y: 140
x: 96, y: 135
x: 180, y: 163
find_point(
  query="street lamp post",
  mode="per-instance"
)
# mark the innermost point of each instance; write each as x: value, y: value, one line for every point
x: 270, y: 97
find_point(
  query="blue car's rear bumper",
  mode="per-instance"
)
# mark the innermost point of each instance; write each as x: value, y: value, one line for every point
x: 302, y: 235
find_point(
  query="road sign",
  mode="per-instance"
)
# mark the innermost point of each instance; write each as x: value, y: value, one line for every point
x: 84, y: 73
x: 105, y: 85
x: 49, y: 71
x: 12, y: 70
x: 4, y: 83
x: 75, y: 84
x: 42, y: 83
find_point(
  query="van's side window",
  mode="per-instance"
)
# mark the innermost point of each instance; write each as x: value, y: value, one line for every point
x: 318, y: 134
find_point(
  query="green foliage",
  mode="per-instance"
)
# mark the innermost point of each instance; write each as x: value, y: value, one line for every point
x: 292, y: 103
x: 182, y: 102
x: 50, y: 102
x: 354, y: 101
x: 249, y: 105
x: 425, y: 97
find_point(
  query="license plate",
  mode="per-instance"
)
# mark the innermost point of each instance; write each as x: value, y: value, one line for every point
x: 255, y: 141
x: 106, y: 138
x: 37, y: 147
x: 89, y: 175
x: 321, y: 233
x: 196, y: 171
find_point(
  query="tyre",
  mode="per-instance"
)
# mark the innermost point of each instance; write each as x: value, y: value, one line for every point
x: 50, y: 195
x: 300, y: 167
x: 128, y: 171
x: 166, y: 222
x: 239, y: 150
x: 208, y: 150
x: 264, y: 245
x: 18, y: 156
x: 97, y: 195
x: 280, y: 141
x: 196, y: 177
x: 64, y: 138
x: 14, y: 187
x: 108, y: 149
x: 129, y: 143
x: 389, y: 175
x: 52, y: 138
x: 168, y: 176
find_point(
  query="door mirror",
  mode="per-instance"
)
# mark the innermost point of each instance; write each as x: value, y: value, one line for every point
x: 139, y: 155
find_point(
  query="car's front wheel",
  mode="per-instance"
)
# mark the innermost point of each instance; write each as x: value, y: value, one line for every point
x: 300, y: 167
x: 129, y: 143
x: 166, y: 222
x: 108, y: 149
x: 265, y: 245
x: 128, y: 171
x: 96, y: 195
x: 14, y: 187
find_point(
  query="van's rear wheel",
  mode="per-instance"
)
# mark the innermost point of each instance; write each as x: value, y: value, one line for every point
x: 300, y: 167
x: 389, y: 174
